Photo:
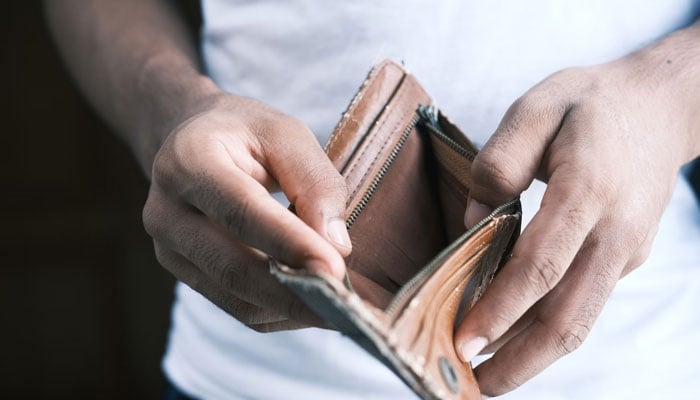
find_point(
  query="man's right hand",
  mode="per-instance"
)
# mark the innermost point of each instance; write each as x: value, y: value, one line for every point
x: 209, y: 210
x: 214, y: 222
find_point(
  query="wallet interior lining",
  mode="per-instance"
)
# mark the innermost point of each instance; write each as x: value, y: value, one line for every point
x: 427, y: 191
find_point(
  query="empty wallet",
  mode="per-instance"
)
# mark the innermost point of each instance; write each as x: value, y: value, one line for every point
x: 414, y: 269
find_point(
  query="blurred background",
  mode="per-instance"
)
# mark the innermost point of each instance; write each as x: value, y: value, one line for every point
x: 84, y: 306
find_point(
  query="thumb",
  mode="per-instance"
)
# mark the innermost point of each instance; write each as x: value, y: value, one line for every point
x: 511, y: 158
x: 312, y: 184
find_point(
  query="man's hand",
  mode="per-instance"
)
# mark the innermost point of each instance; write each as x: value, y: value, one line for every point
x: 214, y: 222
x: 609, y: 141
x: 209, y: 210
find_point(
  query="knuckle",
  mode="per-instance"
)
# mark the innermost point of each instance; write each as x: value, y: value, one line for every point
x: 582, y: 182
x: 185, y: 163
x: 570, y: 74
x: 159, y: 173
x: 635, y: 237
x: 321, y: 185
x: 232, y: 275
x: 162, y: 170
x: 173, y: 159
x: 499, y: 321
x: 527, y: 104
x: 639, y: 257
x: 208, y: 258
x: 161, y: 255
x: 580, y: 78
x: 534, y: 108
x: 492, y: 171
x: 542, y: 273
x: 275, y: 123
x: 151, y: 218
x: 631, y: 233
x: 236, y: 218
x: 296, y: 125
x: 600, y: 188
x: 321, y: 177
x: 253, y: 316
x: 179, y: 151
x: 569, y: 338
x: 635, y: 230
x: 244, y: 312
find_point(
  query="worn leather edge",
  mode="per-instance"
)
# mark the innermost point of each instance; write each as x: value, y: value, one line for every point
x: 347, y: 312
x: 382, y: 138
x: 365, y: 107
x: 325, y: 295
x: 363, y: 322
x: 436, y: 303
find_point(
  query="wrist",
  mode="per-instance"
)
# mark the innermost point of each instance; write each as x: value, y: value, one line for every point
x: 172, y: 94
x: 669, y: 71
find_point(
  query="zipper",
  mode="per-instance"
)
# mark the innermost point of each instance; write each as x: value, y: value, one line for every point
x: 429, y: 117
x: 355, y: 213
x: 428, y: 270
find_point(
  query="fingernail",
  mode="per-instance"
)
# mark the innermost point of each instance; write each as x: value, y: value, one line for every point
x: 338, y: 233
x: 472, y: 348
x: 476, y: 212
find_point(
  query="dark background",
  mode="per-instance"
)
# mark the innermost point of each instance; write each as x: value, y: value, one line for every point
x: 84, y: 306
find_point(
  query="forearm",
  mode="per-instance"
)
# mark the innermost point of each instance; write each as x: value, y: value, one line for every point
x: 671, y: 68
x: 135, y: 62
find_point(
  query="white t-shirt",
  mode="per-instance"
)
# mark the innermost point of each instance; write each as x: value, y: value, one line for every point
x: 307, y: 58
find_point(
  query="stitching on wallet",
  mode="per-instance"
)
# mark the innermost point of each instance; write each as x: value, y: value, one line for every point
x: 346, y: 117
x: 351, y: 109
x: 374, y: 137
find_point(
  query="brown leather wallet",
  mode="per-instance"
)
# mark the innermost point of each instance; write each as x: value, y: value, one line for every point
x: 414, y: 267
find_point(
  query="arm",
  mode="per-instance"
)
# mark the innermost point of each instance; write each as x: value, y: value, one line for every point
x: 137, y: 65
x: 212, y: 159
x: 609, y: 140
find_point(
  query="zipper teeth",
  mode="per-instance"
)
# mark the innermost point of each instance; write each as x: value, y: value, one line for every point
x: 426, y: 115
x: 429, y: 115
x: 451, y: 143
x: 382, y: 171
x: 407, y: 288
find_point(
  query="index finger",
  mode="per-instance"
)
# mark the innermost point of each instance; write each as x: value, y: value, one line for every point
x: 541, y: 257
x: 242, y: 206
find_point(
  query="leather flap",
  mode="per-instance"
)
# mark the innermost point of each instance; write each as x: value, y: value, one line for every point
x: 424, y: 175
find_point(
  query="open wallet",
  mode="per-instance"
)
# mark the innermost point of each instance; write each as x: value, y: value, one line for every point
x: 414, y: 268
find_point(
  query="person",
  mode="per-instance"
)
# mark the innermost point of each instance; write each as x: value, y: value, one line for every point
x: 608, y: 133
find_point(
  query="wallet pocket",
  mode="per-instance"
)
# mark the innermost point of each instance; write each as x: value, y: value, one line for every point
x: 414, y: 265
x: 408, y: 194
